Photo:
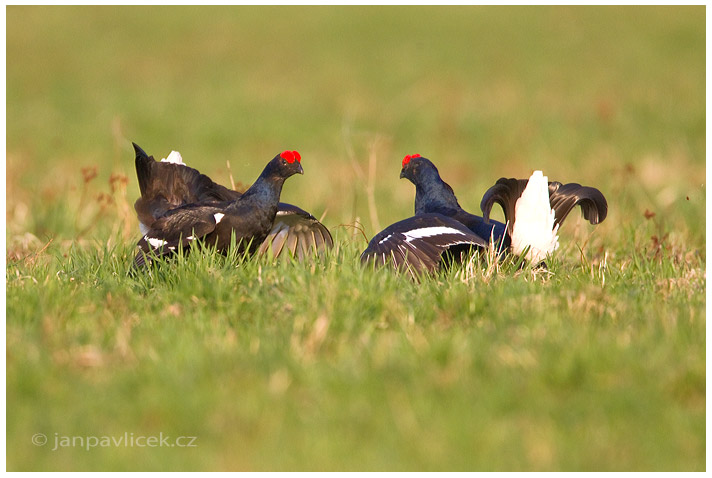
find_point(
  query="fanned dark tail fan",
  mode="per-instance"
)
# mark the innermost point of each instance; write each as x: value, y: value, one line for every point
x: 418, y: 243
x: 563, y: 198
x: 505, y: 192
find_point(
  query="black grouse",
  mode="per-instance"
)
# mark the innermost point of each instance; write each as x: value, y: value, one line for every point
x: 179, y: 205
x: 534, y: 209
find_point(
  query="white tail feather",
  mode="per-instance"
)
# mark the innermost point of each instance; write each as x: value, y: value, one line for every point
x: 534, y: 221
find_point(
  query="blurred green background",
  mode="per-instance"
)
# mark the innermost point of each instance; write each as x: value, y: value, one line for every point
x: 607, y: 96
x: 612, y: 97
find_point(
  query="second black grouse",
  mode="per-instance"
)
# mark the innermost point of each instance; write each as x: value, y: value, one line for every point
x: 179, y: 205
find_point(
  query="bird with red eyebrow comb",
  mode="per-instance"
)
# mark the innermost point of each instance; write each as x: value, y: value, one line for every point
x: 534, y: 209
x: 179, y: 205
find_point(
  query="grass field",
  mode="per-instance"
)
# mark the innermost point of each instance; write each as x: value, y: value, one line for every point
x: 597, y: 364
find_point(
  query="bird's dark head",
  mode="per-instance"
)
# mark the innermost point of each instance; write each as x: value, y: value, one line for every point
x: 432, y: 194
x: 416, y: 168
x: 286, y: 164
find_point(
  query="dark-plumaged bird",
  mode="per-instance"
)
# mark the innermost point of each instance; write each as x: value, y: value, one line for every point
x: 534, y: 209
x: 179, y: 205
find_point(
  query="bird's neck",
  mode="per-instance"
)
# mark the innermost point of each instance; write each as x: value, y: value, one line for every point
x: 266, y: 190
x: 432, y: 194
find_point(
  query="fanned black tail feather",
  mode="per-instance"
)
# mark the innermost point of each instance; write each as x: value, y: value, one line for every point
x: 505, y: 192
x: 562, y: 197
x: 143, y: 168
x: 565, y: 197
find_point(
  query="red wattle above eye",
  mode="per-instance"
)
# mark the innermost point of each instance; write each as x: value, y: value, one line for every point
x: 291, y: 156
x: 407, y: 159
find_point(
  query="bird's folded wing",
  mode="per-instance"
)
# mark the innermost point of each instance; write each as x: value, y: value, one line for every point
x: 417, y: 244
x: 177, y: 229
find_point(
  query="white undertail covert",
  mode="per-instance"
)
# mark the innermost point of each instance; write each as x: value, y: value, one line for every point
x: 534, y: 221
x: 174, y: 158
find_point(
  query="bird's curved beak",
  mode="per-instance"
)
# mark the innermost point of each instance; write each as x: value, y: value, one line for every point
x: 300, y: 170
x: 402, y: 174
